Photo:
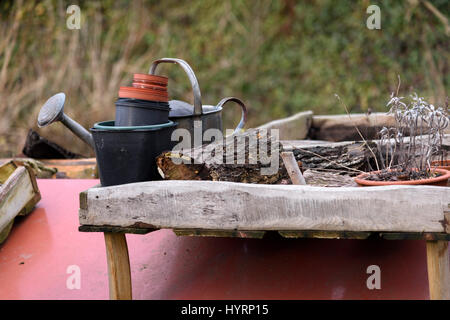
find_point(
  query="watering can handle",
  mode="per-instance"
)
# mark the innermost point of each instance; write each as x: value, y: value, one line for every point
x: 244, y: 111
x: 190, y: 73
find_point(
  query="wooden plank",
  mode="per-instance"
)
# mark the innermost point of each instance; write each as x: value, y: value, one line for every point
x: 447, y: 221
x: 239, y: 206
x: 118, y: 266
x: 113, y: 229
x: 219, y: 233
x: 5, y: 232
x: 292, y: 128
x: 290, y: 145
x: 73, y: 168
x: 19, y: 194
x: 292, y: 168
x: 325, y: 234
x: 40, y: 170
x: 15, y: 194
x: 342, y: 127
x: 415, y: 236
x: 438, y: 270
x: 6, y: 170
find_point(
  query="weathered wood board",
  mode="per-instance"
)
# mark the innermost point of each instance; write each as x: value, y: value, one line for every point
x: 341, y: 127
x: 295, y: 127
x: 247, y: 207
x: 18, y: 195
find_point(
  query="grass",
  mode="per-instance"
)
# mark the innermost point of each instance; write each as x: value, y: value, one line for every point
x: 280, y: 57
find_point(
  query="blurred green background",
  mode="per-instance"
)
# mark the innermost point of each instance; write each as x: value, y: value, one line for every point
x: 279, y: 56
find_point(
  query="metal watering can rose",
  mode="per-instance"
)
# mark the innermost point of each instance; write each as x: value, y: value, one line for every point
x: 197, y: 118
x: 53, y: 111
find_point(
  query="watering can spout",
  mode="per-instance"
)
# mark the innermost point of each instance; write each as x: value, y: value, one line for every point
x: 53, y: 111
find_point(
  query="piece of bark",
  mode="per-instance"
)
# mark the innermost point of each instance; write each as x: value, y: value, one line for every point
x: 198, y: 164
x: 328, y: 179
x: 238, y: 158
x: 347, y: 157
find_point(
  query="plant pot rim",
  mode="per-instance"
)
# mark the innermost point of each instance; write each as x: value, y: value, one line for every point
x: 157, y: 105
x: 109, y: 125
x: 143, y: 85
x: 441, y: 164
x: 142, y: 94
x: 145, y: 90
x: 363, y: 182
x: 151, y: 78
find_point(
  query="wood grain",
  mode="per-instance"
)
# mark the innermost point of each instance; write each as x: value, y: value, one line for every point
x: 295, y: 127
x: 15, y: 194
x: 438, y: 270
x: 292, y: 168
x: 239, y: 206
x: 118, y: 266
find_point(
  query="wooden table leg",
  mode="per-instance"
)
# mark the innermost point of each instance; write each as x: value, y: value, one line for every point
x: 118, y: 266
x: 438, y: 270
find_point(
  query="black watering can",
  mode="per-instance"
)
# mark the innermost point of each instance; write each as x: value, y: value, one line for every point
x: 197, y: 118
x: 193, y: 118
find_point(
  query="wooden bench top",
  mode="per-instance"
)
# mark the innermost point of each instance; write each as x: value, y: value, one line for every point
x: 250, y: 210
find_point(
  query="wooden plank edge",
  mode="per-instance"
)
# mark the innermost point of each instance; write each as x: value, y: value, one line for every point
x: 114, y: 229
x: 17, y: 192
x: 319, y: 234
x: 447, y: 220
x: 5, y: 232
x: 83, y: 196
x: 220, y: 233
x: 429, y: 236
x: 37, y: 194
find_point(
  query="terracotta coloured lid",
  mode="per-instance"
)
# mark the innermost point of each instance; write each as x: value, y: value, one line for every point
x: 144, y: 85
x: 146, y: 90
x: 150, y: 78
x: 142, y: 94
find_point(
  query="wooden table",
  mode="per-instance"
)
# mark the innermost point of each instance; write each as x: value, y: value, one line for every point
x: 226, y: 209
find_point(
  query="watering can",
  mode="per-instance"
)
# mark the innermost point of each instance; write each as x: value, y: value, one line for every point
x: 197, y: 118
x: 53, y: 111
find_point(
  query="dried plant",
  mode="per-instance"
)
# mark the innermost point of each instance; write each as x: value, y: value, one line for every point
x: 416, y: 137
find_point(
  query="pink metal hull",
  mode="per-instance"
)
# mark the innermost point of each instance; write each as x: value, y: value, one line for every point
x: 35, y: 257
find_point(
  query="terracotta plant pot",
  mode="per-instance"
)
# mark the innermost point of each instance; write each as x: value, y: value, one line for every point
x: 143, y: 94
x: 438, y: 181
x: 150, y: 79
x: 441, y: 164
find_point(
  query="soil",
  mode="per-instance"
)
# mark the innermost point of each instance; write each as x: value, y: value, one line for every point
x: 396, y: 175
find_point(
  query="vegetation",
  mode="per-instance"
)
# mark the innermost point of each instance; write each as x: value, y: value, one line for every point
x: 280, y: 57
x: 408, y: 148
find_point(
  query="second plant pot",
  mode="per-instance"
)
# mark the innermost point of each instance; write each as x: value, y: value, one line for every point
x: 128, y: 154
x: 436, y: 181
x: 134, y: 112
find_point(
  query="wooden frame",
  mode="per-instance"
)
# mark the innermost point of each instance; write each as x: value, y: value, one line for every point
x: 19, y: 194
x: 251, y: 210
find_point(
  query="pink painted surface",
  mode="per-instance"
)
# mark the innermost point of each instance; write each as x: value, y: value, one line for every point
x: 35, y: 258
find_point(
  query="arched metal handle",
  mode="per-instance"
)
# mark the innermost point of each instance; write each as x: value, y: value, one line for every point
x: 190, y: 73
x: 244, y: 111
